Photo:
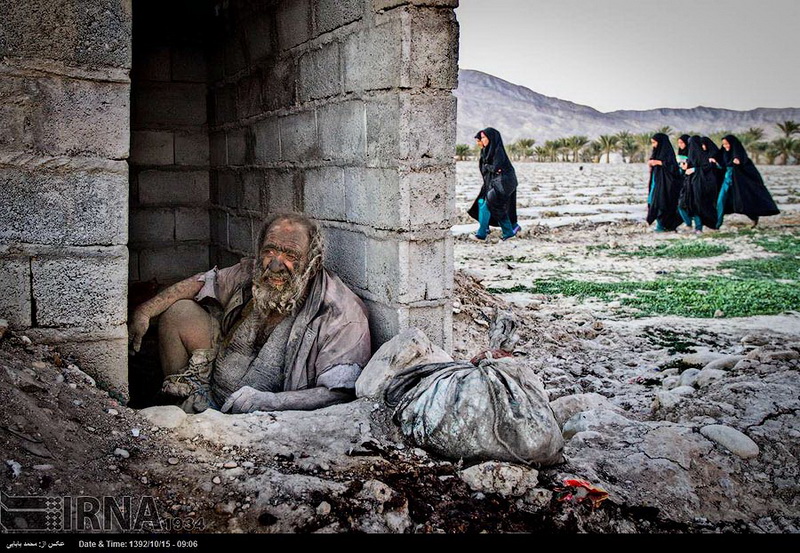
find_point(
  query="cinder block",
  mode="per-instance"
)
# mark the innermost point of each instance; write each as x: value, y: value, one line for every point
x: 133, y: 265
x: 373, y: 57
x: 436, y: 322
x: 424, y: 271
x: 67, y: 116
x: 280, y: 190
x: 324, y: 193
x: 280, y: 89
x: 15, y: 291
x: 237, y: 147
x: 224, y: 104
x: 152, y: 225
x: 168, y: 265
x: 235, y: 60
x: 345, y: 255
x: 104, y: 360
x: 85, y: 292
x: 152, y: 148
x: 192, y: 224
x: 259, y: 35
x: 332, y: 14
x: 189, y: 65
x: 173, y: 187
x: 226, y: 258
x: 267, y: 134
x: 169, y: 104
x: 294, y: 23
x: 386, y: 277
x: 430, y: 197
x: 248, y: 92
x: 378, y: 5
x: 79, y: 207
x: 252, y: 185
x: 152, y: 63
x: 218, y: 149
x: 15, y: 133
x: 433, y: 44
x: 383, y: 126
x: 240, y: 234
x: 80, y: 33
x: 319, y: 73
x: 219, y: 227
x: 191, y: 148
x: 384, y: 323
x: 299, y: 136
x: 373, y: 197
x: 434, y: 112
x: 342, y: 131
x: 229, y: 189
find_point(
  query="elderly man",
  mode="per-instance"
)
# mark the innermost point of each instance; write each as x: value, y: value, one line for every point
x: 273, y: 333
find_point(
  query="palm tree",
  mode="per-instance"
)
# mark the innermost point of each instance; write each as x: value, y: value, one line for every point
x: 666, y: 129
x: 758, y: 149
x: 751, y: 136
x: 785, y: 146
x: 552, y: 147
x: 462, y: 151
x: 717, y: 136
x: 642, y: 146
x: 525, y: 147
x: 608, y: 143
x: 542, y: 153
x: 788, y: 128
x: 627, y: 145
x: 575, y: 143
x: 593, y: 151
x: 771, y: 153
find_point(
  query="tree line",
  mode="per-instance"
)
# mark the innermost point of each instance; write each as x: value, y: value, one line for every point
x: 636, y: 148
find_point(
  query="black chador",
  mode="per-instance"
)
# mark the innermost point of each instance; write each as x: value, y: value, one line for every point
x: 745, y: 192
x: 701, y: 196
x: 665, y: 186
x: 503, y: 185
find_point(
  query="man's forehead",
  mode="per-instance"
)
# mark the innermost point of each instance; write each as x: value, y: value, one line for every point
x: 287, y: 233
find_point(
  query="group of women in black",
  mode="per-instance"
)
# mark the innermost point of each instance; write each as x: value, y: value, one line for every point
x: 702, y: 183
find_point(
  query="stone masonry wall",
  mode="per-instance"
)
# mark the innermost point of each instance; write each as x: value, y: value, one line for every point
x: 169, y: 219
x: 342, y: 109
x: 64, y: 104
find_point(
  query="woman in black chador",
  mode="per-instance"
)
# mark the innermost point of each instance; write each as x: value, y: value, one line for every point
x: 496, y: 202
x: 743, y: 189
x: 701, y: 192
x: 665, y: 185
x: 684, y: 198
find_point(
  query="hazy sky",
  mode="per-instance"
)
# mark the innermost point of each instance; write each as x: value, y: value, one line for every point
x: 640, y: 54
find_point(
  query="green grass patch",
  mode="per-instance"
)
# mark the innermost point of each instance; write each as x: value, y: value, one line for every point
x: 784, y: 267
x: 782, y: 243
x: 686, y: 297
x: 679, y: 250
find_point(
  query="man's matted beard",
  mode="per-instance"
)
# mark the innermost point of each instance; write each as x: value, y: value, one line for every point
x: 285, y: 301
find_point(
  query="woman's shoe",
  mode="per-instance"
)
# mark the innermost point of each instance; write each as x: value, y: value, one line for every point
x: 476, y: 238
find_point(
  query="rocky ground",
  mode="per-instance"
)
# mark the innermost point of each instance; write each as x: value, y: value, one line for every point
x: 689, y: 424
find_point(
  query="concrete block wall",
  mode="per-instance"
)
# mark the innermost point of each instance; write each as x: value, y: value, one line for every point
x: 64, y: 105
x: 169, y: 160
x: 342, y: 109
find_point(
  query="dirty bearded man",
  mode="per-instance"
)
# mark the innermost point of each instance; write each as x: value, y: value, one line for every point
x: 274, y: 333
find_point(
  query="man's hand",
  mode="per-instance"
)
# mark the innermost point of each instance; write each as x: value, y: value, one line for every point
x: 247, y: 400
x: 137, y: 328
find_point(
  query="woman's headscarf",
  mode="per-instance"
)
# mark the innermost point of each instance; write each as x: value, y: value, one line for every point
x: 684, y: 151
x: 737, y: 151
x: 495, y: 153
x: 711, y: 148
x: 663, y: 150
x: 697, y: 157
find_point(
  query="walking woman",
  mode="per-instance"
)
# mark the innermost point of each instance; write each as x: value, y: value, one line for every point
x: 496, y: 203
x: 743, y: 189
x: 684, y: 198
x: 701, y: 193
x: 665, y: 185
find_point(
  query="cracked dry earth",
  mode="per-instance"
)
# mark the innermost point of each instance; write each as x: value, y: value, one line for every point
x: 691, y: 429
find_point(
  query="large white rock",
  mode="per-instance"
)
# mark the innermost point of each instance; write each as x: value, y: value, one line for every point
x: 724, y: 363
x: 689, y: 377
x: 410, y: 347
x: 707, y: 376
x: 501, y: 478
x: 598, y: 420
x: 731, y: 439
x: 567, y: 406
x: 164, y: 416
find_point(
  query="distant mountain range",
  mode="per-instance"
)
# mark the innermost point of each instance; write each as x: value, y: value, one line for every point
x: 518, y: 112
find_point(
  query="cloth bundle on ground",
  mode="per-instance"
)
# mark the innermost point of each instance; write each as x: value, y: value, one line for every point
x: 497, y: 410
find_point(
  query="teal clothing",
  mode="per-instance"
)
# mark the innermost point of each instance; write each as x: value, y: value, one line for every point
x: 698, y: 224
x: 484, y: 215
x: 723, y: 194
x: 659, y: 225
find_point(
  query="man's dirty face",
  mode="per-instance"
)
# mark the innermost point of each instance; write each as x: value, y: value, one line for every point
x: 284, y: 253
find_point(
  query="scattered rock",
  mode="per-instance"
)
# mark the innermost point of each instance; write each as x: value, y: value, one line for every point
x: 230, y: 465
x: 670, y: 382
x: 173, y: 461
x: 144, y: 480
x: 538, y: 497
x: 25, y: 341
x: 135, y: 432
x: 683, y: 390
x: 719, y: 313
x: 248, y: 465
x: 410, y: 347
x: 113, y: 412
x: 226, y: 508
x: 786, y: 355
x: 376, y: 490
x: 324, y: 509
x: 14, y: 468
x: 39, y: 365
x: 731, y: 439
x: 596, y: 420
x: 43, y: 467
x: 504, y: 479
x: 217, y: 480
x: 707, y: 376
x: 701, y: 357
x: 725, y: 362
x: 754, y: 340
x: 76, y: 376
x: 689, y: 377
x: 666, y: 400
x: 566, y: 407
x: 164, y: 416
x: 119, y: 452
x: 3, y: 328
